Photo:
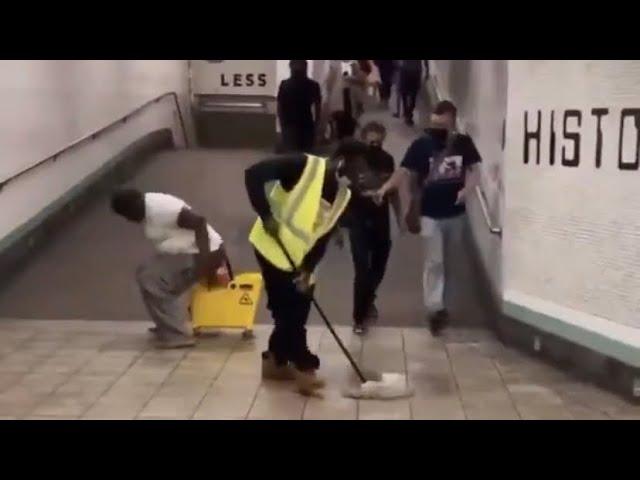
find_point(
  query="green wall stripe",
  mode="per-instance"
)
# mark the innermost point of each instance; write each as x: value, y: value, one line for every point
x: 587, y: 338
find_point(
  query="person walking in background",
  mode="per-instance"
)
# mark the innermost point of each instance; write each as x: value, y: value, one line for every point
x: 410, y: 80
x: 334, y: 86
x: 443, y: 164
x: 358, y: 83
x: 396, y: 88
x: 386, y: 69
x: 299, y: 108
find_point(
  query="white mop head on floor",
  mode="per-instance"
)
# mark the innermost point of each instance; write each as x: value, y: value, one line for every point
x: 390, y: 386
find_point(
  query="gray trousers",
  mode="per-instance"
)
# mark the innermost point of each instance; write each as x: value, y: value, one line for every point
x: 438, y: 235
x: 163, y: 280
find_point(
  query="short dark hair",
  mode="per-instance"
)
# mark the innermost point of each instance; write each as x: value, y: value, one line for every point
x: 129, y: 203
x: 301, y: 63
x: 445, y: 106
x: 350, y: 149
x: 374, y: 126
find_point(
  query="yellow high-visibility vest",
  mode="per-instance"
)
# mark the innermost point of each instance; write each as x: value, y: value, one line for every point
x: 302, y: 214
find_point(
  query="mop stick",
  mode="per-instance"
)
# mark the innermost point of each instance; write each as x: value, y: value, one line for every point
x: 386, y: 386
x: 326, y: 321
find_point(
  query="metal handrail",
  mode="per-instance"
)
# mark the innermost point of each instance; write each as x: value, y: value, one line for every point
x: 485, y: 212
x: 96, y: 133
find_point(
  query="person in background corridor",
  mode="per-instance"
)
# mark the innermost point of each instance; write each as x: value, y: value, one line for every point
x: 333, y: 99
x: 369, y: 229
x: 298, y: 95
x: 187, y: 249
x: 444, y: 164
x: 386, y: 69
x: 299, y: 214
x: 358, y: 83
x: 410, y: 81
x: 396, y: 88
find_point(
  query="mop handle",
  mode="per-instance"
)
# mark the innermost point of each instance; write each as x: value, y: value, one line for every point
x: 325, y: 319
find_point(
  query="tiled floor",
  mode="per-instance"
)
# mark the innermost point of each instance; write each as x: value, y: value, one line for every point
x: 106, y: 370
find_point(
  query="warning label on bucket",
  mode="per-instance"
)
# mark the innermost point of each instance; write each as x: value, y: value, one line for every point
x: 245, y: 299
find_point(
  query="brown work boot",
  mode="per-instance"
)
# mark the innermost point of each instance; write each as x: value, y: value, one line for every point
x: 308, y: 382
x: 273, y: 371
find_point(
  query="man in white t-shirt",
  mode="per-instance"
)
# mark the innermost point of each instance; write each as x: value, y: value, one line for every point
x: 187, y: 249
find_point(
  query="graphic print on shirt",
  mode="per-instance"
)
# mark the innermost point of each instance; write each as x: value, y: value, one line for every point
x: 445, y: 169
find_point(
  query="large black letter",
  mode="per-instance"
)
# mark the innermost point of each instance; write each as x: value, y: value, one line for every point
x: 575, y: 136
x: 552, y: 140
x: 250, y: 81
x: 223, y: 81
x: 599, y: 113
x: 237, y: 80
x: 262, y: 80
x: 528, y: 136
x: 629, y: 112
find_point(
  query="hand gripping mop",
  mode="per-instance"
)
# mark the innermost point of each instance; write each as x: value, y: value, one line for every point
x: 384, y: 386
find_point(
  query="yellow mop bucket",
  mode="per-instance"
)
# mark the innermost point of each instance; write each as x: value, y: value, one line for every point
x: 233, y: 306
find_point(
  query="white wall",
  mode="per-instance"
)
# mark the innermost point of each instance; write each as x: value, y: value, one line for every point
x: 479, y: 90
x: 48, y: 104
x: 572, y: 233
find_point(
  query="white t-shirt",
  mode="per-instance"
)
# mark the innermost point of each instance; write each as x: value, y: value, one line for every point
x: 161, y: 226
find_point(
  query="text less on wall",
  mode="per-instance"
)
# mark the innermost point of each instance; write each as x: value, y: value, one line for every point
x: 568, y: 126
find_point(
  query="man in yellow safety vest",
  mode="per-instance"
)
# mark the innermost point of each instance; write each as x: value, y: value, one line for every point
x: 299, y: 199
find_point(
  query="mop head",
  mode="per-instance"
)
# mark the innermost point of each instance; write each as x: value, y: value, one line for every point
x: 388, y: 387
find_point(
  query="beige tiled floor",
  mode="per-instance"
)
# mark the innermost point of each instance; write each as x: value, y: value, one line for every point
x: 106, y: 370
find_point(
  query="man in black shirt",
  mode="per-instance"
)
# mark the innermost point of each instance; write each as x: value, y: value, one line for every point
x: 410, y: 80
x: 297, y: 95
x: 369, y: 229
x: 288, y: 356
x: 444, y: 164
x: 385, y: 67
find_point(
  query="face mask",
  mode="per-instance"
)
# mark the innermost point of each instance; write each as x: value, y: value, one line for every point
x: 440, y: 134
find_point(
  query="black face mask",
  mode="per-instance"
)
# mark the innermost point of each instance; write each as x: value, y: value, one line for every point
x: 439, y: 134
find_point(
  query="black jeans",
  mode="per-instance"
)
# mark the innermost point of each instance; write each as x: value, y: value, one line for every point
x: 386, y: 81
x: 297, y: 139
x: 290, y: 310
x: 409, y: 87
x: 370, y: 249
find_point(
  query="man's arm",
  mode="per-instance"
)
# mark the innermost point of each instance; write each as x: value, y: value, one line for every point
x: 407, y: 172
x: 471, y: 161
x: 208, y: 262
x: 279, y: 101
x: 285, y: 168
x: 317, y: 103
x: 314, y: 255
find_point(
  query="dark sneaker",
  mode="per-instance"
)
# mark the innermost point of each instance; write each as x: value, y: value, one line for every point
x: 437, y: 322
x: 409, y: 122
x: 396, y: 115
